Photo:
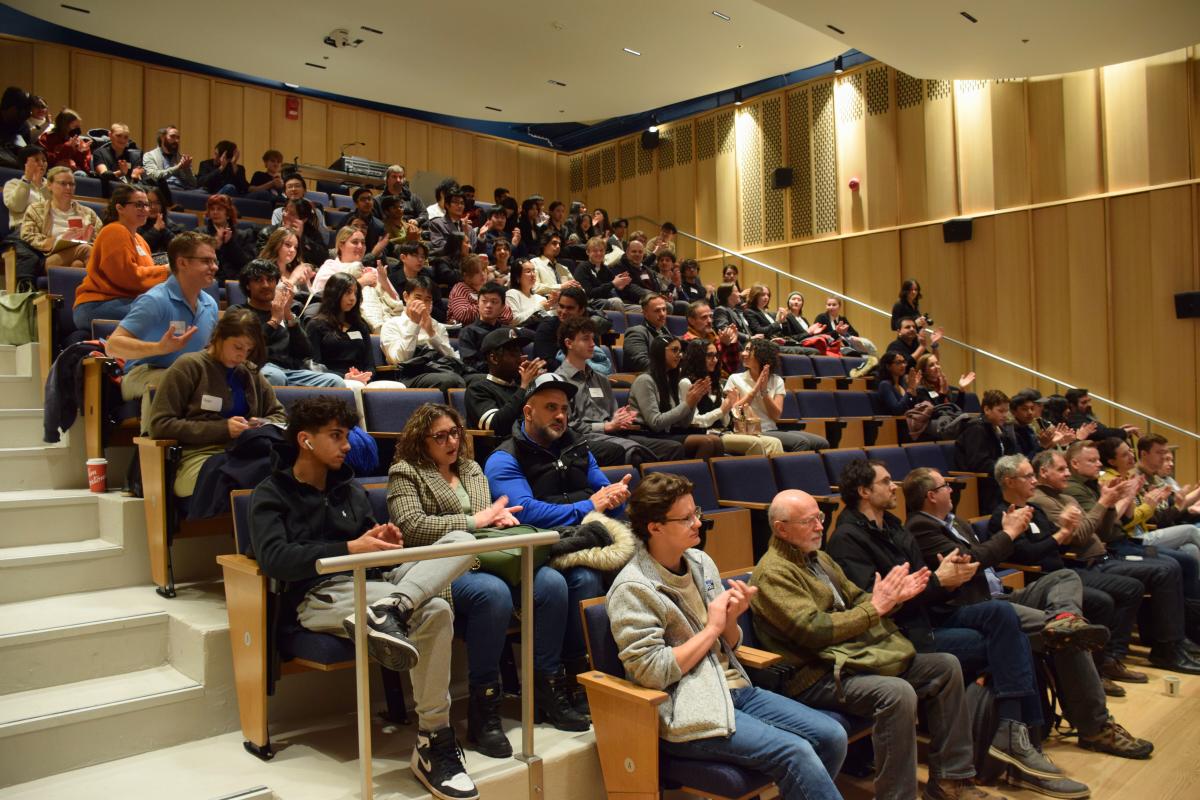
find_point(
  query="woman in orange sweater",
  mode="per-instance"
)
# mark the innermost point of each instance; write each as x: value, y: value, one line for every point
x: 120, y: 267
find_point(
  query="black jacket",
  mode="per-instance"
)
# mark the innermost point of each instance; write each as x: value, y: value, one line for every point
x: 902, y: 309
x: 561, y: 479
x: 831, y: 325
x: 210, y: 176
x: 934, y: 540
x: 470, y: 339
x: 597, y: 284
x: 287, y: 345
x: 977, y: 449
x: 493, y: 406
x: 234, y: 254
x: 635, y: 347
x: 762, y: 322
x: 861, y: 550
x: 1035, y: 549
x: 292, y: 524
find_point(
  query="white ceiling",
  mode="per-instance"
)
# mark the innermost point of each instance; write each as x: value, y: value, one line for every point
x: 456, y: 58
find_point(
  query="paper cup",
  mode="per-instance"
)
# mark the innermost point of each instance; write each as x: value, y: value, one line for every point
x: 97, y: 473
x: 1171, y: 685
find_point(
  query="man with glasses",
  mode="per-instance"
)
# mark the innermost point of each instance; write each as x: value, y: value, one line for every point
x: 168, y: 320
x: 808, y: 611
x: 453, y: 222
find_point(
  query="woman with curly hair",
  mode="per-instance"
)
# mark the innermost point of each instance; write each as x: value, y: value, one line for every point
x: 761, y: 389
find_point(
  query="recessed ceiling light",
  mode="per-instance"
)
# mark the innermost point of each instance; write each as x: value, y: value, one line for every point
x: 553, y: 82
x: 631, y: 52
x: 493, y: 108
x: 719, y: 15
x: 968, y: 16
x: 836, y: 29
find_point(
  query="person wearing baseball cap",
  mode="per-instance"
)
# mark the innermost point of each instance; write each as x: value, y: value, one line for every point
x: 495, y: 401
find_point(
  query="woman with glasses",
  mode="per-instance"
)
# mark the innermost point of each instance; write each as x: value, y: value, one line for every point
x: 158, y: 229
x: 121, y: 266
x: 700, y: 361
x: 61, y: 227
x: 434, y: 487
x: 664, y: 409
x: 675, y: 626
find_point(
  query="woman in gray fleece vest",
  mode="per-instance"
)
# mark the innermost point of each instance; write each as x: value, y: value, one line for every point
x: 677, y: 629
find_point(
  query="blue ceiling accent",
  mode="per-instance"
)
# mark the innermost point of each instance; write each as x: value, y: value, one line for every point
x: 560, y: 136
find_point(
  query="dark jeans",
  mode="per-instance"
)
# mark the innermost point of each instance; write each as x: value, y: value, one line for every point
x: 483, y: 608
x: 800, y: 748
x: 1112, y: 600
x: 617, y: 450
x: 936, y: 681
x: 987, y: 637
x: 444, y: 381
x: 1162, y: 578
x: 1189, y: 567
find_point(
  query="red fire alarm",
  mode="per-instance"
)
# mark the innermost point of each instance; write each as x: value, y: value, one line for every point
x: 292, y: 106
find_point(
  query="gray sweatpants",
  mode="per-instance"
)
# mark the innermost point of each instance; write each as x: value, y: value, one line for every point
x: 431, y: 627
x: 1079, y: 686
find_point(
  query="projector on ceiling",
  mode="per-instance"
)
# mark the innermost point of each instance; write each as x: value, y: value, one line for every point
x: 340, y: 37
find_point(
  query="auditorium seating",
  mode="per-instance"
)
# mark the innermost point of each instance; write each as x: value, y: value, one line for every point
x: 727, y: 539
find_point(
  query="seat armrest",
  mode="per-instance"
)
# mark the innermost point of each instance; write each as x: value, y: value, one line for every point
x: 620, y: 689
x: 743, y: 504
x: 148, y: 442
x: 753, y: 657
x: 966, y: 474
x: 240, y: 563
x: 1020, y: 567
x: 480, y: 432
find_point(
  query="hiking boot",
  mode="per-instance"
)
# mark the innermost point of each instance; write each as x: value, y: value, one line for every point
x: 483, y: 722
x: 1056, y: 787
x: 1074, y: 632
x: 1112, y: 688
x: 552, y: 702
x: 1115, y: 670
x: 951, y: 789
x: 1116, y: 741
x: 579, y: 700
x: 1012, y: 746
x: 387, y: 636
x: 437, y: 763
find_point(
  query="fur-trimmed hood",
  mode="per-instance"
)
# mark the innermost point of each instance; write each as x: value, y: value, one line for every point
x: 578, y: 546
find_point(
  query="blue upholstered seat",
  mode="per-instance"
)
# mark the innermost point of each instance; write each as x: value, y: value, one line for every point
x: 836, y: 461
x: 895, y: 458
x: 388, y: 410
x: 748, y: 479
x: 803, y: 471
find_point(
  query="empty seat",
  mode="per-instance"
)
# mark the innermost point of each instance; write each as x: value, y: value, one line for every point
x: 836, y: 461
x: 803, y: 471
x: 857, y: 405
x: 342, y: 200
x: 289, y: 395
x: 677, y: 324
x: 256, y: 209
x: 63, y: 282
x: 185, y: 220
x: 87, y: 187
x: 794, y: 369
x: 233, y: 293
x: 458, y: 401
x: 387, y: 410
x: 617, y: 320
x: 335, y: 219
x: 695, y: 470
x: 970, y: 403
x: 98, y: 206
x: 634, y: 318
x: 615, y: 474
x: 894, y: 457
x: 746, y: 480
x: 819, y: 410
x: 828, y: 367
x: 193, y: 199
x: 321, y: 199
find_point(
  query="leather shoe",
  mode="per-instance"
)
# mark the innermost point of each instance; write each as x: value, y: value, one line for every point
x: 1112, y: 688
x: 1191, y: 648
x: 1115, y: 670
x: 1173, y: 658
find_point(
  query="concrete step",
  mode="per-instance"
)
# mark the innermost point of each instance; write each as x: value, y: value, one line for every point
x: 46, y: 516
x: 8, y: 359
x: 21, y: 427
x: 77, y: 651
x: 19, y: 391
x: 46, y: 466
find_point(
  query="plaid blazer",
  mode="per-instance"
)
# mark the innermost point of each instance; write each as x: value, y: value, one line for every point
x: 424, y: 506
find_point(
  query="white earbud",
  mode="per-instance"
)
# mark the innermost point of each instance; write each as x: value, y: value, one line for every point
x: 308, y: 444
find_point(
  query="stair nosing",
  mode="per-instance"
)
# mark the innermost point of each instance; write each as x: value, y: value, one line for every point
x: 82, y: 628
x: 101, y: 549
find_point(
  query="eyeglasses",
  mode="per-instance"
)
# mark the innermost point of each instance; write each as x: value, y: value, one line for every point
x: 443, y: 437
x: 713, y: 356
x: 813, y: 519
x: 690, y: 519
x: 208, y: 262
x: 939, y: 488
x: 142, y: 204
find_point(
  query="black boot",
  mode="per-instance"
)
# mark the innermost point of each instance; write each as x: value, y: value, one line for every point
x: 483, y: 722
x: 552, y: 702
x: 579, y: 700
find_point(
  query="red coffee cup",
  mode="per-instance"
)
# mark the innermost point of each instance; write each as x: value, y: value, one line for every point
x: 97, y: 473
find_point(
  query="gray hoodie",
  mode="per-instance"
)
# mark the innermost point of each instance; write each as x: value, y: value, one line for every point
x: 647, y: 620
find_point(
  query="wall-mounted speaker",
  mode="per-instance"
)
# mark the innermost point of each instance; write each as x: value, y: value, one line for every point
x: 1187, y: 305
x: 649, y: 140
x: 781, y: 178
x: 956, y: 230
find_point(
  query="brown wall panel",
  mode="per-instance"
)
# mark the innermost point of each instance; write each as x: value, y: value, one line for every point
x: 880, y: 138
x: 1047, y: 147
x: 17, y: 65
x: 341, y: 131
x: 1010, y: 140
x: 1167, y: 117
x: 314, y: 139
x: 1081, y: 129
x: 225, y: 114
x: 441, y: 150
x: 91, y: 90
x: 976, y: 160
x: 195, y: 103
x: 418, y: 147
x: 126, y: 104
x: 463, y: 162
x: 366, y: 129
x: 1127, y: 161
x: 52, y: 74
x: 938, y: 268
x: 910, y: 149
x: 871, y: 272
x: 256, y: 128
x: 851, y: 116
x: 162, y: 106
x: 393, y: 140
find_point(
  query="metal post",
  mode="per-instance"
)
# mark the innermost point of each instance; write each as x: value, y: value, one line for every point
x: 362, y: 680
x: 532, y: 761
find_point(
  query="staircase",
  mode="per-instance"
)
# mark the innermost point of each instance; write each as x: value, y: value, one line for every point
x: 94, y: 666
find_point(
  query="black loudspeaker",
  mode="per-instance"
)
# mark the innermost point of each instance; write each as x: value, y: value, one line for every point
x: 1187, y: 305
x: 956, y: 230
x: 649, y: 140
x: 781, y: 178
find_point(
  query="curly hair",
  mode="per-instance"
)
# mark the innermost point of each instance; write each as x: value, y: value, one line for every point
x: 411, y: 444
x: 652, y: 500
x: 313, y: 413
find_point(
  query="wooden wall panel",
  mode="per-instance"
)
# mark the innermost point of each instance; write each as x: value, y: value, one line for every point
x: 976, y: 160
x: 393, y: 140
x: 287, y: 135
x: 366, y: 129
x: 1125, y: 137
x: 225, y: 115
x: 1052, y: 298
x: 463, y: 164
x: 314, y: 138
x: 52, y: 74
x: 341, y: 131
x: 1167, y: 117
x: 706, y: 183
x: 1010, y: 139
x: 998, y: 275
x: 441, y: 150
x: 821, y: 263
x: 871, y: 272
x: 851, y: 115
x: 727, y: 230
x: 880, y: 132
x: 418, y: 146
x: 91, y: 90
x: 941, y: 192
x: 195, y: 103
x: 938, y: 268
x: 1047, y: 145
x: 256, y: 128
x: 506, y: 165
x: 911, y: 193
x: 126, y: 103
x: 17, y: 65
x: 161, y: 104
x: 1081, y: 133
x: 1089, y: 310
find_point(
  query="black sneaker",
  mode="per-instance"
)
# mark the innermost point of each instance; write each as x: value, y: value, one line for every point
x: 437, y: 763
x: 387, y: 637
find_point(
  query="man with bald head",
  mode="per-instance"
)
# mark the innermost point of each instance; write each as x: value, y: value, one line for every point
x: 806, y: 606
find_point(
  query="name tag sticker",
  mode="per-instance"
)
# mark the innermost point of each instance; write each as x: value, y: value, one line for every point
x: 210, y: 403
x: 141, y: 251
x: 354, y: 335
x: 596, y: 391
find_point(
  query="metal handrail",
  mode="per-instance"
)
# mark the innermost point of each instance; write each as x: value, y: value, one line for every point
x: 361, y: 562
x: 1058, y: 382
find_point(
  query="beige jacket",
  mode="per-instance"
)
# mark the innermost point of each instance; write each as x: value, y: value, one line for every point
x: 38, y: 221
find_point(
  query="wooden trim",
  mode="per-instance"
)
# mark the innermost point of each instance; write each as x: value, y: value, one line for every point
x: 246, y: 602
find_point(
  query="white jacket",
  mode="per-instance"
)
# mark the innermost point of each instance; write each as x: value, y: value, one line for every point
x: 400, y: 336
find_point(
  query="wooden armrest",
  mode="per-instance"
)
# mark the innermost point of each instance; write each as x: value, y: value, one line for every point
x: 753, y: 657
x: 240, y: 563
x: 743, y: 504
x: 146, y: 440
x: 965, y: 474
x: 620, y: 689
x: 827, y: 498
x: 479, y: 432
x: 788, y: 421
x: 382, y: 368
x: 1020, y: 567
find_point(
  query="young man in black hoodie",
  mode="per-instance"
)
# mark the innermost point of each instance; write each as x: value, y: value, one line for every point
x: 315, y: 509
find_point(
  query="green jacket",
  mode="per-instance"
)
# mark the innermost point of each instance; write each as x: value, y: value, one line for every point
x: 794, y: 613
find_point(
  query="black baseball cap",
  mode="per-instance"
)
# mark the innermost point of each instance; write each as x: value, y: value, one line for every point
x: 502, y: 337
x: 551, y: 380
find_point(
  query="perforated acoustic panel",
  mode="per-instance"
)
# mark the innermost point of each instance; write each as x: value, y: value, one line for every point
x: 608, y: 164
x: 824, y: 146
x: 706, y: 138
x: 908, y: 90
x: 937, y: 90
x: 877, y: 90
x: 576, y: 180
x: 749, y: 152
x: 645, y: 160
x: 969, y: 86
x: 850, y: 98
x: 683, y: 143
x: 800, y: 159
x: 773, y: 199
x: 726, y: 140
x: 593, y: 169
x: 666, y: 150
x: 628, y: 162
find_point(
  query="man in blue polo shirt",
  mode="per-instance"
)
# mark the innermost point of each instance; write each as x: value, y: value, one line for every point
x: 170, y: 319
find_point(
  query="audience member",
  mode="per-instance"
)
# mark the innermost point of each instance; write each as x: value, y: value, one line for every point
x: 315, y: 508
x: 116, y: 158
x: 66, y: 145
x: 235, y: 246
x: 643, y: 279
x: 464, y: 297
x: 912, y: 343
x: 380, y: 300
x: 222, y: 174
x: 603, y: 288
x: 807, y: 610
x: 528, y: 308
x: 60, y: 227
x: 286, y: 347
x: 294, y: 188
x: 438, y: 208
x: 933, y: 386
x: 690, y: 286
x: 728, y: 312
x: 491, y: 231
x: 729, y: 274
x: 209, y: 398
x: 676, y: 629
x: 1031, y: 432
x: 896, y: 384
x: 267, y: 183
x: 572, y: 303
x: 396, y: 185
x: 364, y: 211
x: 700, y: 326
x: 635, y: 347
x: 419, y: 344
x: 340, y: 338
x: 552, y: 275
x: 656, y: 399
x: 1155, y: 463
x: 837, y: 326
x: 1079, y: 413
x: 39, y: 117
x: 15, y: 133
x: 908, y: 306
x: 713, y: 410
x: 282, y: 248
x: 758, y: 314
x: 495, y: 402
x: 20, y: 193
x: 761, y: 390
x: 795, y: 326
x: 490, y: 316
x: 983, y: 440
x: 166, y: 163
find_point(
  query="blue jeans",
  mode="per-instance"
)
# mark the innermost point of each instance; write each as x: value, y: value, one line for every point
x: 278, y: 376
x: 798, y: 747
x: 987, y: 637
x: 483, y: 608
x: 84, y: 313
